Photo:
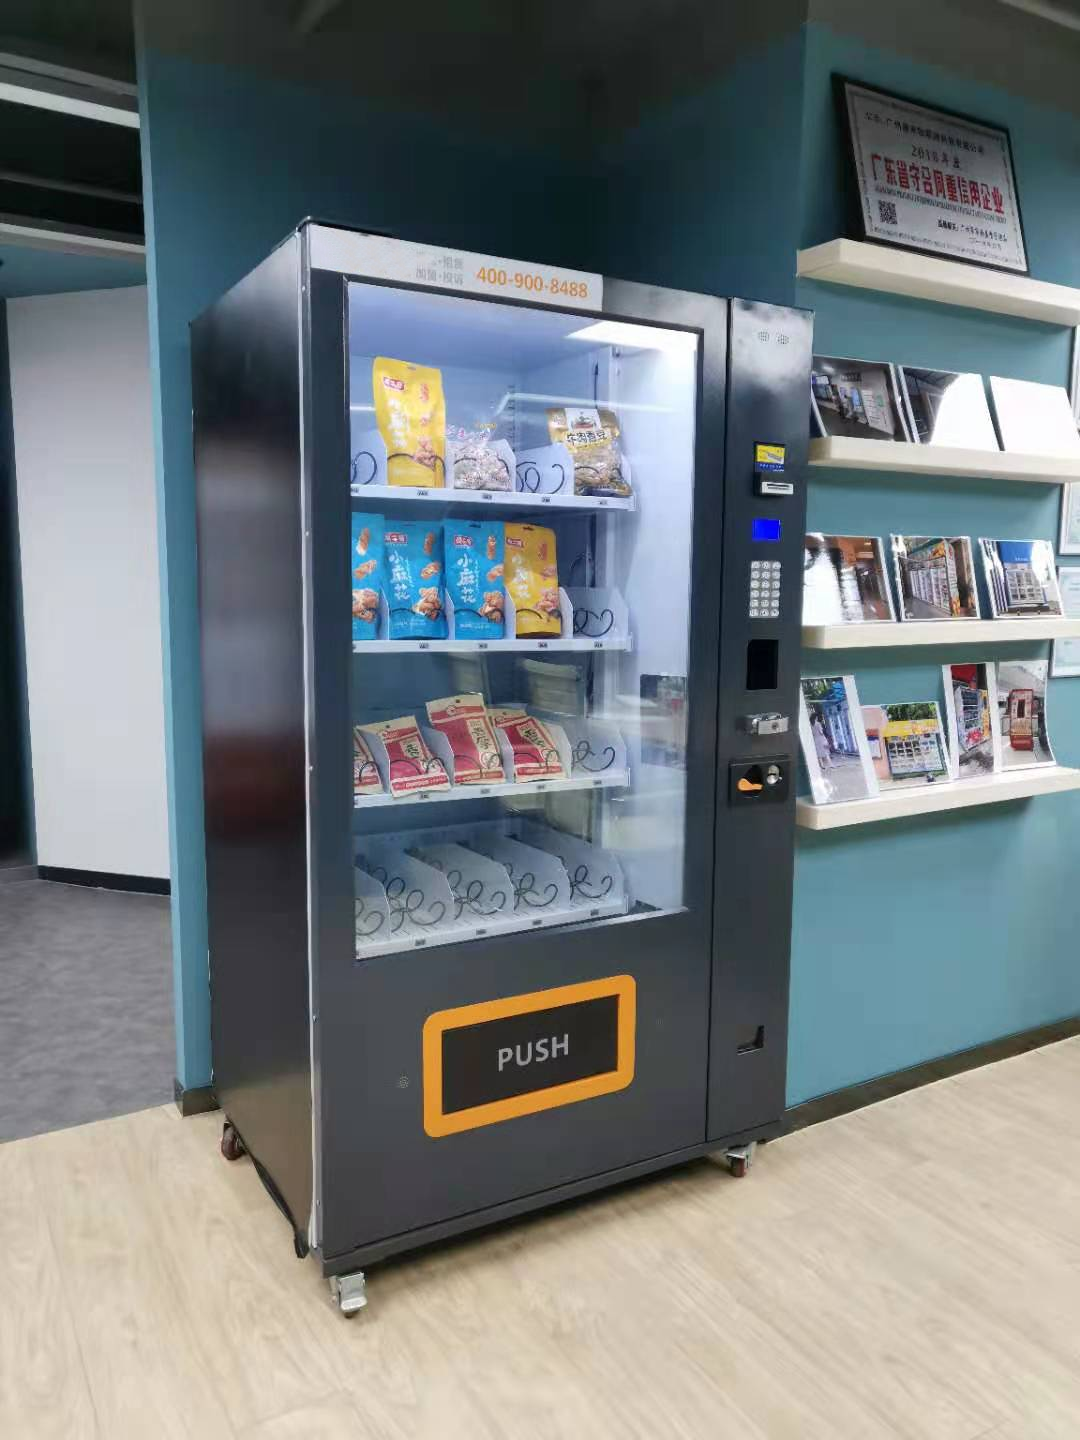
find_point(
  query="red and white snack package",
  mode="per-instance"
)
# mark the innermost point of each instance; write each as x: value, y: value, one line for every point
x: 463, y: 720
x: 536, y: 756
x: 412, y: 765
x: 365, y: 774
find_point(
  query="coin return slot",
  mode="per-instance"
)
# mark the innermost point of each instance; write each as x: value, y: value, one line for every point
x: 754, y: 1040
x: 762, y: 664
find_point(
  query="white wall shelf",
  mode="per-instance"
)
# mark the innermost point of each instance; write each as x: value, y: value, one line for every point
x: 953, y: 795
x: 949, y: 282
x: 844, y: 452
x: 891, y: 633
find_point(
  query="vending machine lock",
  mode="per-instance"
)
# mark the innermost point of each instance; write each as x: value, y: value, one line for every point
x: 769, y: 723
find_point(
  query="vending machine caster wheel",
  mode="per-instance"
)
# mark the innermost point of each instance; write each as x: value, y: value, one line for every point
x: 740, y: 1158
x: 232, y: 1147
x: 349, y: 1293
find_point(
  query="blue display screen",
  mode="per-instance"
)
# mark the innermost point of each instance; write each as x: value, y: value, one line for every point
x: 761, y: 529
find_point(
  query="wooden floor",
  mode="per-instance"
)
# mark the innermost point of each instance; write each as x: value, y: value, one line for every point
x: 910, y: 1270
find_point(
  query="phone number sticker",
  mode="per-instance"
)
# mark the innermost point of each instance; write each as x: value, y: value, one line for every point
x: 385, y: 259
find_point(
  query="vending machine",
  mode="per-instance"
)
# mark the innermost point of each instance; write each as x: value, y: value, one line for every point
x: 500, y: 574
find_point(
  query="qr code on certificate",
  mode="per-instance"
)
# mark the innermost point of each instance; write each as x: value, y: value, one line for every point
x: 887, y: 212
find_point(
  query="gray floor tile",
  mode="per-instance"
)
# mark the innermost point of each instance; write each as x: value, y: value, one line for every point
x: 86, y: 1020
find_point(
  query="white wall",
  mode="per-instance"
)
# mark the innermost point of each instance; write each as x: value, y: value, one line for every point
x: 80, y: 382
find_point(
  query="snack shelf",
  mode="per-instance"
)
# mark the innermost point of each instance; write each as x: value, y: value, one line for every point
x: 618, y: 779
x: 516, y: 499
x: 590, y: 619
x: 947, y: 795
x: 454, y: 883
x: 844, y: 452
x: 949, y: 282
x: 883, y: 634
x: 511, y: 924
x: 525, y: 645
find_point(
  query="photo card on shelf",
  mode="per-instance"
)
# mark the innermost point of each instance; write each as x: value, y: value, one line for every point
x: 833, y: 740
x: 856, y: 398
x: 935, y: 577
x: 946, y: 407
x: 845, y: 581
x: 907, y: 744
x: 1020, y: 577
x: 972, y: 720
x: 1021, y: 706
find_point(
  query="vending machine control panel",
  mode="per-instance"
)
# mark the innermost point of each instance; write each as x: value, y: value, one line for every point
x: 764, y: 591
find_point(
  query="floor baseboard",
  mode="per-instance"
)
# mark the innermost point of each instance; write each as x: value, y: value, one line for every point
x: 855, y: 1097
x: 104, y: 880
x: 196, y: 1101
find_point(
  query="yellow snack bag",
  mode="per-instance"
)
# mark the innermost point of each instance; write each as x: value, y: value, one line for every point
x: 592, y: 437
x: 410, y: 412
x: 532, y: 579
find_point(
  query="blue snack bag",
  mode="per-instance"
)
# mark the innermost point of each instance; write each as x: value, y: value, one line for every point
x: 414, y: 580
x: 473, y: 551
x: 367, y: 574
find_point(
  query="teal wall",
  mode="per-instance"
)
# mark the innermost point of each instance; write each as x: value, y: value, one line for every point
x: 917, y: 938
x: 232, y: 162
x: 911, y: 939
x: 704, y: 197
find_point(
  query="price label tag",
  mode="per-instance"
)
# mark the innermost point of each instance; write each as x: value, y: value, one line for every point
x: 462, y: 270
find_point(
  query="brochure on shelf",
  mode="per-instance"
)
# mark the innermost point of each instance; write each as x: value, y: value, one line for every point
x: 935, y: 577
x: 1035, y: 419
x: 845, y: 581
x: 972, y: 718
x: 856, y: 398
x: 907, y: 744
x: 1069, y: 532
x: 945, y: 407
x: 833, y: 740
x: 1020, y: 577
x: 1065, y: 654
x: 1021, y: 705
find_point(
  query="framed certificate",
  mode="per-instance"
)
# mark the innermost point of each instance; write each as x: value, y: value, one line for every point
x: 1065, y: 655
x: 932, y: 180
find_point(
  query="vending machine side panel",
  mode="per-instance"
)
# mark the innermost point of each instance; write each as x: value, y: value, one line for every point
x: 246, y: 369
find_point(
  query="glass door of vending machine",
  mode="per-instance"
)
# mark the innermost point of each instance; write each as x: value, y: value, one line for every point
x: 532, y: 603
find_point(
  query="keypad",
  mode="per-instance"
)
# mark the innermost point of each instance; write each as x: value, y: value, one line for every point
x: 764, y: 589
